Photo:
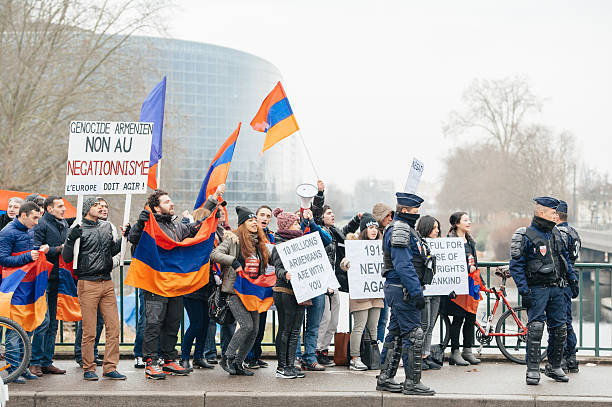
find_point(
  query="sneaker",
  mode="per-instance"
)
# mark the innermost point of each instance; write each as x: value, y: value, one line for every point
x: 91, y: 376
x: 153, y: 370
x: 261, y: 363
x: 286, y: 373
x: 186, y: 365
x: 29, y: 376
x: 324, y: 359
x: 314, y: 366
x: 357, y: 364
x: 424, y: 365
x: 99, y: 362
x: 19, y: 380
x: 298, y: 372
x: 251, y: 364
x: 79, y: 362
x: 139, y: 363
x: 430, y: 362
x: 114, y: 375
x: 212, y: 361
x: 171, y: 367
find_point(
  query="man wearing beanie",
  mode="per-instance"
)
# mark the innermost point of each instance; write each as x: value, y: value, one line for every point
x: 95, y: 287
x: 404, y: 294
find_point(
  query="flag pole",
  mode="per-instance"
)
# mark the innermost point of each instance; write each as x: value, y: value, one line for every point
x: 309, y: 157
x: 158, y: 173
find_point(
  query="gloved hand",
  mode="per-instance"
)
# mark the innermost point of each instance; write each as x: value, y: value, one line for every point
x: 143, y: 217
x: 527, y: 300
x: 126, y: 229
x: 419, y: 302
x: 452, y: 295
x: 75, y: 233
x: 575, y: 288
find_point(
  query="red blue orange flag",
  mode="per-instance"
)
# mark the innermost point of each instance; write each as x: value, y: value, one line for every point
x: 256, y: 294
x: 218, y: 170
x: 275, y: 117
x: 153, y: 111
x: 68, y: 307
x: 169, y: 268
x: 22, y: 292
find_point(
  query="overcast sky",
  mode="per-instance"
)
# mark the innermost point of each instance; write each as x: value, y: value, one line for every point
x: 371, y: 82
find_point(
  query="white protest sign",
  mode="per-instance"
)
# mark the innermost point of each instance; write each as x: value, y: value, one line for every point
x: 305, y: 258
x: 451, y: 267
x: 365, y: 271
x: 414, y: 176
x: 108, y: 157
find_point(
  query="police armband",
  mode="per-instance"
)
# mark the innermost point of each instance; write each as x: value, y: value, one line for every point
x: 400, y: 235
x: 516, y: 245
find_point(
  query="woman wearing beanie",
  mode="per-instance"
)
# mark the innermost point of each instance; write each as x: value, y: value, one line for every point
x: 429, y: 227
x: 364, y: 311
x: 463, y: 307
x: 243, y: 250
x: 290, y: 313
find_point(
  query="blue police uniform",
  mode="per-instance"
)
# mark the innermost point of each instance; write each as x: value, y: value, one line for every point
x: 540, y: 267
x: 403, y: 249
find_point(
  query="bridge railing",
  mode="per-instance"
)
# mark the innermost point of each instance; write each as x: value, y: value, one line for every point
x: 594, y: 280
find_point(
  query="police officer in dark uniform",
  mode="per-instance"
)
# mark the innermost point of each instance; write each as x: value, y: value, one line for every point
x: 572, y: 243
x: 540, y: 267
x: 403, y: 249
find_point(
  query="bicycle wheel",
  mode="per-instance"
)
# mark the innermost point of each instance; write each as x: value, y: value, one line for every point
x: 15, y: 349
x: 512, y: 346
x: 446, y: 330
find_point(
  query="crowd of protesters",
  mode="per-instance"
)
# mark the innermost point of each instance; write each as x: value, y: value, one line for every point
x: 39, y: 225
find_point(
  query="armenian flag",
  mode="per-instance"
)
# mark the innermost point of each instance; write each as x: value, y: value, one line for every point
x: 469, y: 302
x: 68, y: 307
x: 275, y: 117
x: 255, y: 294
x: 6, y: 194
x: 22, y: 292
x: 169, y: 268
x: 218, y: 170
x: 153, y: 111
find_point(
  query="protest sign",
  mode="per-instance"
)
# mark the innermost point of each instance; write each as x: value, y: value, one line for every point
x: 365, y: 271
x: 451, y: 267
x: 305, y: 258
x: 108, y: 157
x: 414, y: 176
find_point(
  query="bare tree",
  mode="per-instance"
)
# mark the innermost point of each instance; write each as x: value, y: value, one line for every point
x: 64, y: 60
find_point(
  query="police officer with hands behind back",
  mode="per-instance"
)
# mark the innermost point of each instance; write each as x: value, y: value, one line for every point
x: 540, y: 267
x: 403, y: 247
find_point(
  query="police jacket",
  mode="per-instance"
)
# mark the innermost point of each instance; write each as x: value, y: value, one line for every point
x: 96, y: 250
x: 51, y: 231
x: 14, y: 238
x: 571, y: 241
x: 400, y: 247
x: 538, y: 257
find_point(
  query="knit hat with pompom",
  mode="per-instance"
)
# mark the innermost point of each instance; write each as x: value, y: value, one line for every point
x: 284, y: 220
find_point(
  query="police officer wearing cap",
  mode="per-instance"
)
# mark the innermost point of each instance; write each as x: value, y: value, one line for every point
x: 403, y: 249
x: 572, y: 243
x: 541, y: 269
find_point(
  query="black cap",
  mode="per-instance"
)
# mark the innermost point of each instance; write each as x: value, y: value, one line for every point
x: 244, y: 214
x: 367, y: 220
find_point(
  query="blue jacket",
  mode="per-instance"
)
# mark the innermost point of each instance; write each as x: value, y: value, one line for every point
x: 325, y: 236
x: 14, y: 238
x: 518, y: 264
x: 403, y: 271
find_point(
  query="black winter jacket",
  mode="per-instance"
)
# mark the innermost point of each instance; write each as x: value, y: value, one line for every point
x: 4, y: 220
x: 96, y: 250
x: 51, y: 231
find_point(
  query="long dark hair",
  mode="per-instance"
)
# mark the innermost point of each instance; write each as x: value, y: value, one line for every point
x: 426, y: 225
x: 454, y: 220
x: 363, y: 235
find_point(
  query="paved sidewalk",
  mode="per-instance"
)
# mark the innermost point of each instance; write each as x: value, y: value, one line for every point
x: 490, y: 383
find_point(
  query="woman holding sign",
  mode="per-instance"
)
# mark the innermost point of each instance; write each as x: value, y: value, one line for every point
x: 463, y: 307
x: 242, y: 251
x: 364, y: 311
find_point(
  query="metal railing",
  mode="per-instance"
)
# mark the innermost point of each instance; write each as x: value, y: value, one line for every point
x: 594, y: 284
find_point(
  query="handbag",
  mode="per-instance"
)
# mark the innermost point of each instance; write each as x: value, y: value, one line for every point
x: 341, y: 346
x: 370, y: 353
x: 218, y: 308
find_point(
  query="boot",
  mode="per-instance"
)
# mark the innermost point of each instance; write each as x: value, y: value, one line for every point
x: 384, y: 381
x: 554, y: 371
x: 534, y: 337
x: 456, y: 359
x: 468, y: 356
x: 572, y: 364
x: 240, y: 370
x: 227, y: 364
x: 201, y: 364
x: 412, y: 365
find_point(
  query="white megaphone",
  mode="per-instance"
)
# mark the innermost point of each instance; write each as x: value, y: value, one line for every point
x: 306, y: 192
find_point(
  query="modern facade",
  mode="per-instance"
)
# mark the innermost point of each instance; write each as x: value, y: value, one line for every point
x: 209, y: 90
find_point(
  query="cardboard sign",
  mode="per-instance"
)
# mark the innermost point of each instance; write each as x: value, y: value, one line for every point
x: 451, y: 267
x: 107, y: 158
x: 414, y: 176
x: 365, y: 271
x: 305, y: 258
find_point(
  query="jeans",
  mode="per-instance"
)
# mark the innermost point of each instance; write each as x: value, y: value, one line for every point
x: 140, y: 325
x: 382, y: 322
x: 13, y: 349
x: 290, y: 316
x: 79, y: 337
x: 227, y: 331
x: 313, y: 316
x: 197, y: 311
x: 45, y: 337
x: 256, y: 351
x: 429, y: 315
x: 38, y: 342
x: 244, y: 337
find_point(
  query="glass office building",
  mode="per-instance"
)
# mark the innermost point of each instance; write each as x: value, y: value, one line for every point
x: 209, y: 90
